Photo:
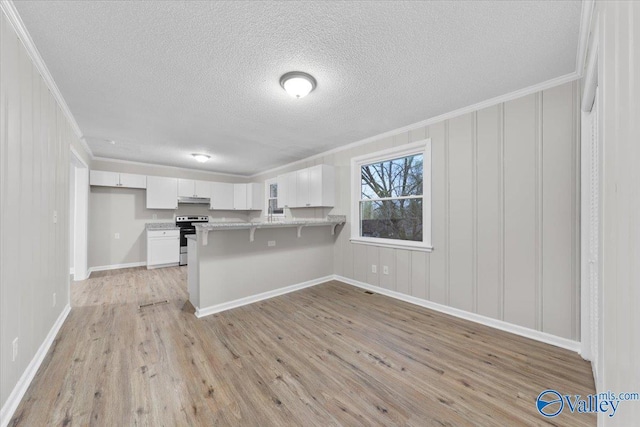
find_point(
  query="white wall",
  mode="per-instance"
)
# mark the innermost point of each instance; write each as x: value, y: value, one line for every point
x: 619, y: 65
x: 123, y: 210
x: 505, y: 214
x: 35, y: 143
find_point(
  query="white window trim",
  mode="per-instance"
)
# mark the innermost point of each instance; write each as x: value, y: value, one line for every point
x: 267, y: 183
x: 421, y: 147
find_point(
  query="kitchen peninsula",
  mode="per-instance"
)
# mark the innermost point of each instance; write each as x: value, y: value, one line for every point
x: 236, y: 263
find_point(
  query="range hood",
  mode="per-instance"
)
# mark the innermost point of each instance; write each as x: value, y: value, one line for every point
x: 194, y: 200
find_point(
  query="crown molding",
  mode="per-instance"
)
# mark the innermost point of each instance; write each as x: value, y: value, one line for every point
x: 16, y: 22
x: 583, y: 40
x: 156, y: 165
x: 471, y: 108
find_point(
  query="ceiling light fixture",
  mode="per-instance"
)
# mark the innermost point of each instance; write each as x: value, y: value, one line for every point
x: 201, y: 157
x: 297, y: 83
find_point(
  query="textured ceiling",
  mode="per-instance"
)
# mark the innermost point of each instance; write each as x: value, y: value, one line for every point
x: 166, y: 79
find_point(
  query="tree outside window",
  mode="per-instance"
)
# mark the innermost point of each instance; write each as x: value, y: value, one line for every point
x: 391, y: 199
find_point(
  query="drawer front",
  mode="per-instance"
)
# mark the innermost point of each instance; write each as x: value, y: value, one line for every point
x: 163, y: 233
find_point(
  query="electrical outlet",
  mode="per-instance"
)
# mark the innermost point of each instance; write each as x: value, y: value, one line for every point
x: 385, y: 269
x: 54, y: 299
x: 117, y: 236
x: 15, y: 350
x: 374, y: 268
x: 271, y: 243
x: 154, y: 216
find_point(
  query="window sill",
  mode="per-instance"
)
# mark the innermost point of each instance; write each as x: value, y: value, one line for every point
x: 406, y: 246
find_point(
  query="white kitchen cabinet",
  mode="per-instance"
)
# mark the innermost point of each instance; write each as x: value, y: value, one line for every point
x: 162, y: 192
x: 255, y: 196
x: 283, y: 191
x: 221, y: 196
x: 315, y: 187
x: 240, y: 196
x: 287, y: 190
x: 193, y: 188
x: 116, y: 179
x: 104, y: 178
x: 248, y: 197
x: 163, y: 248
x: 132, y: 180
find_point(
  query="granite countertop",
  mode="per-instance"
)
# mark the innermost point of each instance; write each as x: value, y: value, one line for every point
x: 331, y: 220
x: 304, y: 222
x: 161, y: 226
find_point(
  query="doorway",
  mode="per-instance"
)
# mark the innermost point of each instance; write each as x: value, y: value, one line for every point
x: 78, y: 216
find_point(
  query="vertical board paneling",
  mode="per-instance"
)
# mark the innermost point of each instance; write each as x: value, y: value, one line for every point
x: 11, y: 326
x: 488, y: 219
x: 347, y: 260
x: 360, y: 262
x: 419, y: 275
x: 437, y: 280
x: 34, y: 175
x: 373, y: 258
x: 403, y: 271
x: 520, y: 211
x: 388, y: 259
x: 557, y: 243
x: 25, y: 206
x: 461, y: 212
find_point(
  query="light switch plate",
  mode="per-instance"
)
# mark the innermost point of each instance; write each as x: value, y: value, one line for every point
x: 374, y: 268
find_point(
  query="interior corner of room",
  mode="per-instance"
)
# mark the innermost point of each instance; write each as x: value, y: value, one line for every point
x: 372, y: 243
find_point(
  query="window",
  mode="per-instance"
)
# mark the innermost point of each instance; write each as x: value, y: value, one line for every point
x: 391, y: 197
x: 271, y: 189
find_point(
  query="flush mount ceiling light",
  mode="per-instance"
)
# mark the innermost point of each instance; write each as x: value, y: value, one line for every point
x: 201, y: 157
x: 297, y: 83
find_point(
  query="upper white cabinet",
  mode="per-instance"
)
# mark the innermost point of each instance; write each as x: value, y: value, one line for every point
x: 162, y: 192
x: 193, y: 188
x: 221, y: 196
x: 248, y: 197
x: 116, y: 179
x: 240, y: 196
x: 310, y: 187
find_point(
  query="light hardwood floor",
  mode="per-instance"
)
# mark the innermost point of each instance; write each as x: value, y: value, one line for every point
x: 326, y: 355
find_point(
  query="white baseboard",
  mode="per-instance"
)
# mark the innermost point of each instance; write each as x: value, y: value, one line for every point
x: 21, y: 387
x: 173, y: 264
x: 115, y: 267
x: 487, y: 321
x: 206, y: 311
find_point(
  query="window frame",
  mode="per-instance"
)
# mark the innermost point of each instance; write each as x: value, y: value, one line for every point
x: 267, y: 193
x: 420, y: 147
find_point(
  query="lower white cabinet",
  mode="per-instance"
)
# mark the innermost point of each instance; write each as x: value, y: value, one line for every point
x: 163, y: 248
x: 162, y: 192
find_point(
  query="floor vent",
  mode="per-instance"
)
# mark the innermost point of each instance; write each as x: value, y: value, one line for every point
x: 151, y: 304
x: 369, y: 292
